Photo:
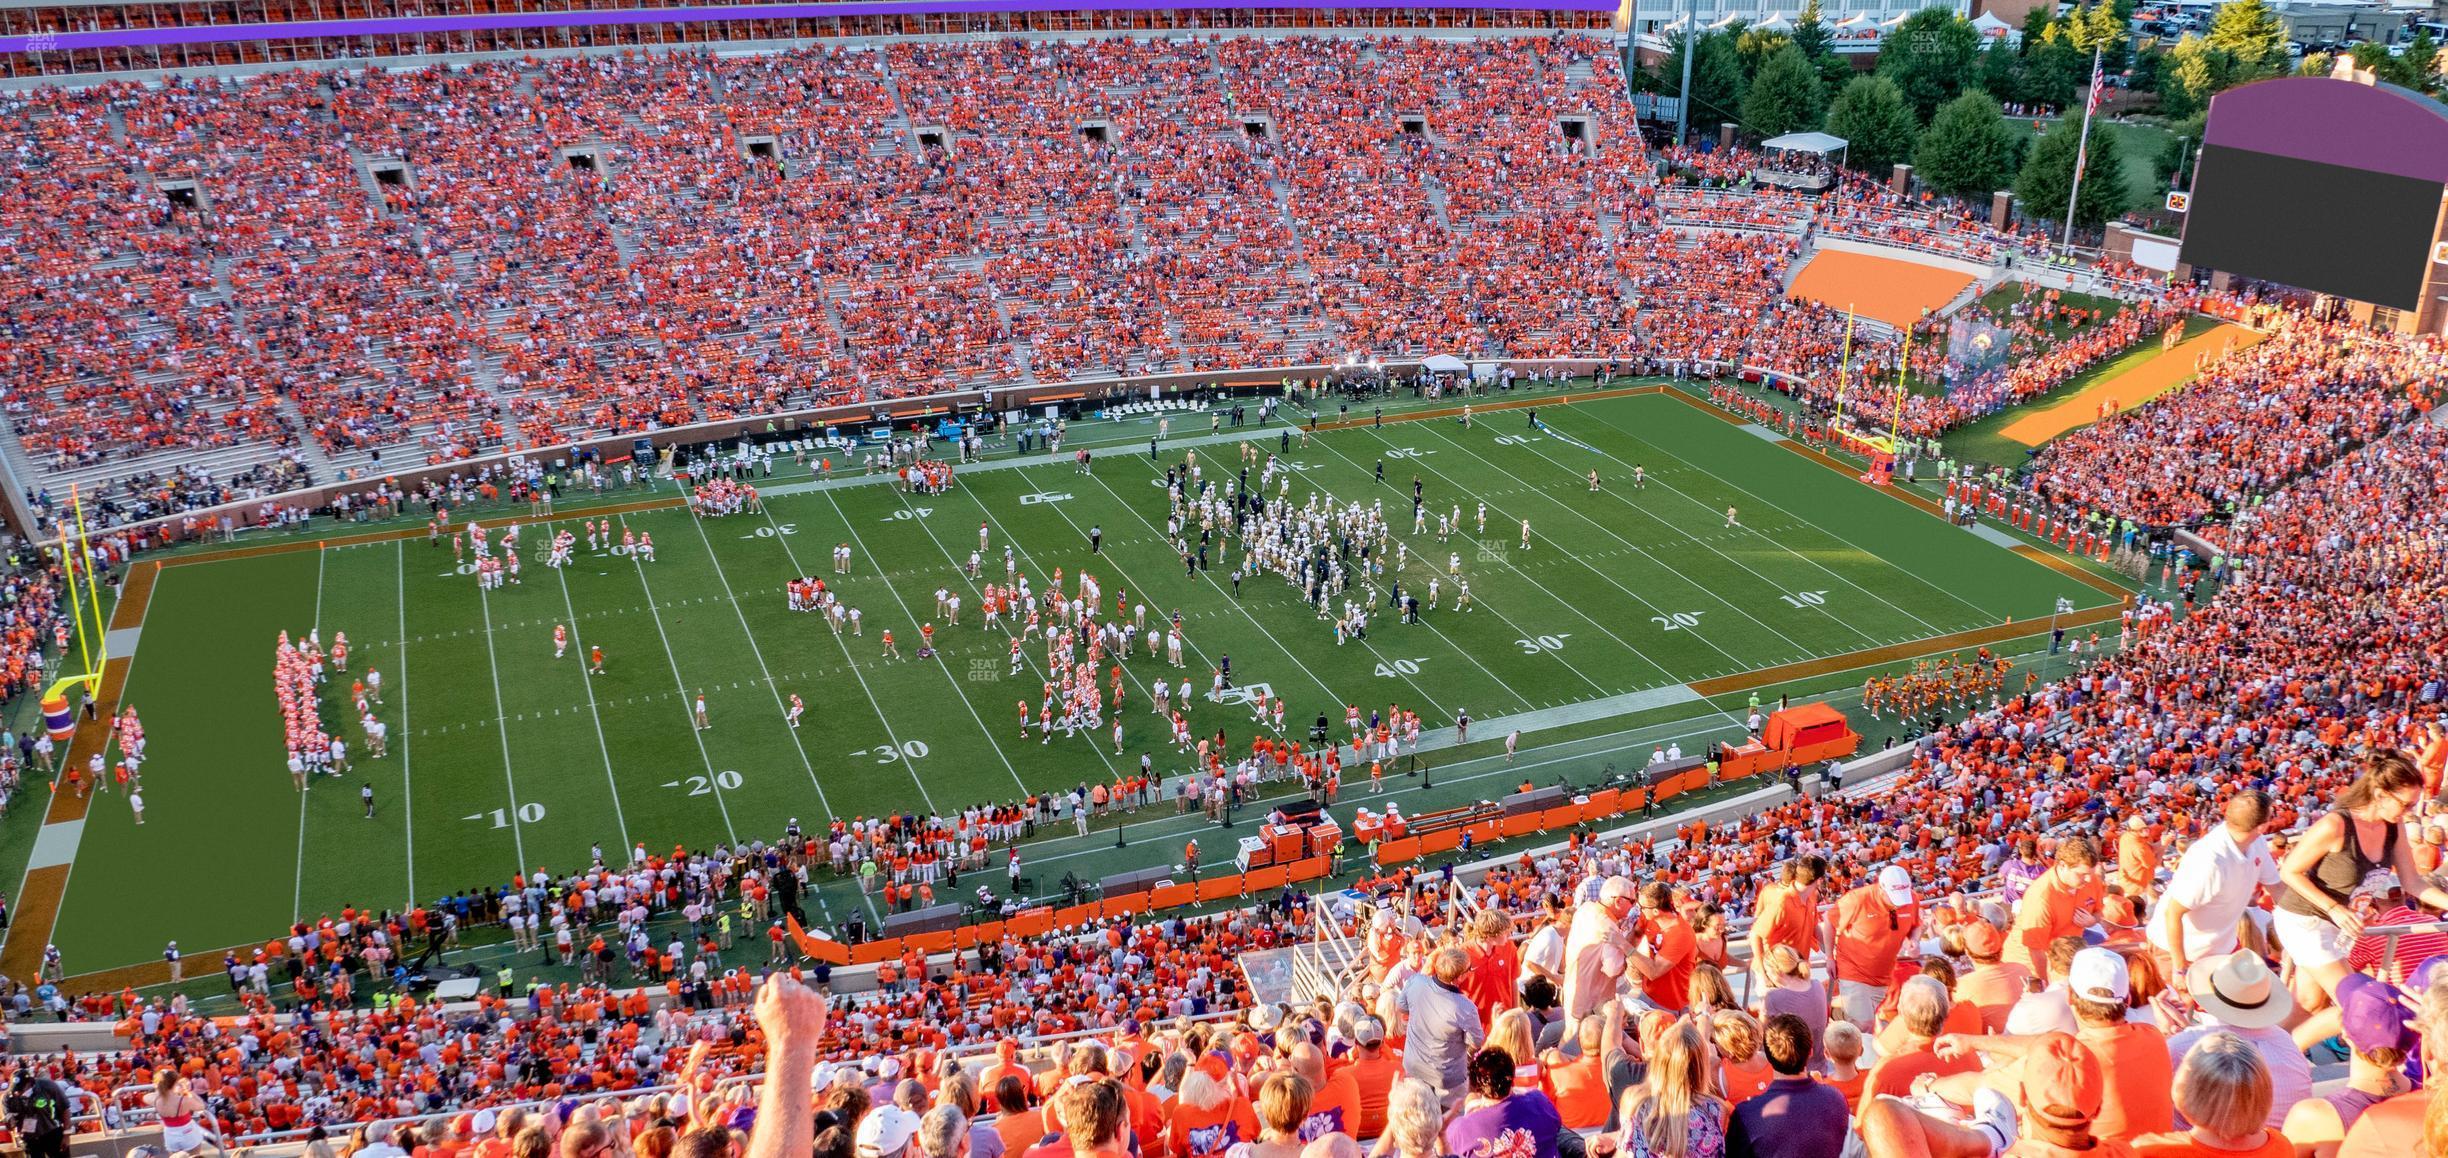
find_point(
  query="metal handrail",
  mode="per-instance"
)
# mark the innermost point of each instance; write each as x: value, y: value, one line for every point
x: 2390, y: 934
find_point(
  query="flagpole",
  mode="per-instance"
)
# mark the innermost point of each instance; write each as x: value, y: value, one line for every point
x: 2082, y: 148
x: 1843, y: 361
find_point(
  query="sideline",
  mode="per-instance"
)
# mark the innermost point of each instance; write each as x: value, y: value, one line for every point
x: 45, y: 886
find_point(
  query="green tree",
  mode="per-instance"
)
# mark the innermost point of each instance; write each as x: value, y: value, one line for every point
x: 1812, y: 36
x: 2048, y: 175
x: 2145, y: 74
x: 2050, y: 70
x: 1717, y: 79
x: 2099, y: 27
x: 1933, y: 56
x: 2184, y: 149
x: 2252, y: 35
x: 2375, y: 59
x: 2191, y: 74
x: 1968, y: 150
x: 1786, y: 96
x: 2316, y: 64
x: 1878, y: 127
x: 2422, y: 62
x: 2036, y: 26
x: 1811, y: 33
x: 1753, y: 46
x: 2002, y: 71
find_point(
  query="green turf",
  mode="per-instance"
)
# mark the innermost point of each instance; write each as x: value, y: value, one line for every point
x: 503, y: 757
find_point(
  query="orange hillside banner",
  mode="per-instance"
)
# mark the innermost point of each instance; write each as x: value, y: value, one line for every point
x: 1891, y: 290
x: 2121, y: 390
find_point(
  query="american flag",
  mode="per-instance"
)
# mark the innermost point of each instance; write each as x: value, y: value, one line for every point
x: 2082, y: 147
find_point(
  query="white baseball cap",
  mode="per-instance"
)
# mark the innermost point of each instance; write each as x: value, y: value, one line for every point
x: 1897, y: 884
x: 886, y: 1131
x: 2099, y: 975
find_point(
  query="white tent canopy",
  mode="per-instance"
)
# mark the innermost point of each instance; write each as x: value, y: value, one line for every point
x: 1776, y: 23
x: 1989, y: 22
x: 1445, y: 364
x: 1820, y: 143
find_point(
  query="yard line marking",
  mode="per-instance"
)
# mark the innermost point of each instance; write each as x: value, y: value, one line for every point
x: 1775, y: 506
x: 1610, y: 580
x: 1761, y: 533
x: 1294, y: 656
x: 992, y: 743
x: 601, y: 745
x: 1706, y: 540
x: 297, y: 895
x: 771, y: 684
x: 672, y: 659
x: 1028, y: 559
x: 518, y: 840
x: 1034, y: 664
x: 1425, y: 563
x: 407, y: 777
x: 1507, y: 561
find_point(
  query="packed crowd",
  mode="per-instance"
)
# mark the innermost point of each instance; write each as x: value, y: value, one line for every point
x: 2054, y: 932
x: 2101, y: 836
x: 696, y: 238
x: 2255, y: 420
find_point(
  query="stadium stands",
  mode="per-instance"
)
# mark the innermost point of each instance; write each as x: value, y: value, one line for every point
x: 308, y: 276
x: 592, y: 245
x: 2152, y: 742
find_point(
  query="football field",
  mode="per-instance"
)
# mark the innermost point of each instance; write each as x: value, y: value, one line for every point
x: 1628, y: 602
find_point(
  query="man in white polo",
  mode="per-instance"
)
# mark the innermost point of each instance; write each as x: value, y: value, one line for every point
x: 2214, y: 884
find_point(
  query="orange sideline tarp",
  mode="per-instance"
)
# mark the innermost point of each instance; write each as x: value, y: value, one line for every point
x: 1031, y: 922
x: 972, y: 936
x: 1802, y: 724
